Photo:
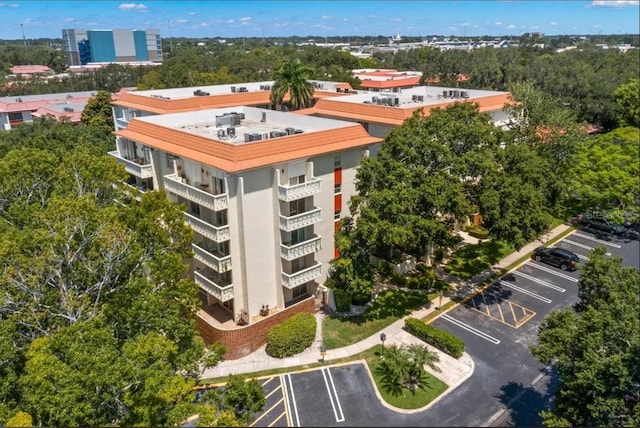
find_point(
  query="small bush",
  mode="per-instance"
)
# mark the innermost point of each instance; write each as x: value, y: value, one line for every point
x: 292, y: 336
x: 477, y: 232
x: 443, y: 340
x: 343, y: 300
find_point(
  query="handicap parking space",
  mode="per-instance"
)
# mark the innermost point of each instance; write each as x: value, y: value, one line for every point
x: 496, y: 303
x: 274, y: 412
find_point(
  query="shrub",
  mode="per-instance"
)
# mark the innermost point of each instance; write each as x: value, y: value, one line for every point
x: 292, y: 336
x: 443, y: 340
x: 343, y: 300
x: 477, y: 232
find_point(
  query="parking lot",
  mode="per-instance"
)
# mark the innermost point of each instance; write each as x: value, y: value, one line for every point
x: 497, y: 325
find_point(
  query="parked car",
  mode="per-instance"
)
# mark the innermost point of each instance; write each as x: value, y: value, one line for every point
x: 603, y: 224
x: 564, y: 259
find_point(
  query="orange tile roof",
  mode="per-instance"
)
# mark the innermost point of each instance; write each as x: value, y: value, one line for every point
x: 392, y: 115
x: 233, y: 158
x: 164, y: 106
x: 391, y: 83
x: 30, y: 69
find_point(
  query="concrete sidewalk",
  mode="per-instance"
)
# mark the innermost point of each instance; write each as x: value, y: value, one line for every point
x: 453, y: 371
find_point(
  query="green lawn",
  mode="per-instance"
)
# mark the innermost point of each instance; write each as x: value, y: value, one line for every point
x: 472, y: 259
x: 388, y: 307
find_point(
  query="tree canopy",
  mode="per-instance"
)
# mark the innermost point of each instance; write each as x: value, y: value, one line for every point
x: 97, y: 319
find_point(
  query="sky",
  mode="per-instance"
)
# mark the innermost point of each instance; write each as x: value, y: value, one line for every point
x: 201, y: 19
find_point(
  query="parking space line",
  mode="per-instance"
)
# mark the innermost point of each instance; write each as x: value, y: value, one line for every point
x: 273, y: 392
x: 470, y: 329
x: 539, y: 281
x: 499, y: 308
x: 277, y: 419
x: 591, y: 238
x: 326, y: 373
x: 486, y: 305
x: 527, y: 292
x: 546, y: 269
x: 291, y: 401
x: 577, y: 244
x: 266, y: 412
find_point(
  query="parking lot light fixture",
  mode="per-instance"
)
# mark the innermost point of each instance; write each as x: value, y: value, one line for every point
x: 383, y: 337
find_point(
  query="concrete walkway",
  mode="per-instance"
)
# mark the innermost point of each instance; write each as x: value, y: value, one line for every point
x: 453, y: 371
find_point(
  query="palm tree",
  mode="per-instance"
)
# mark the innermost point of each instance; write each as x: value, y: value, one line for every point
x: 291, y: 78
x: 404, y: 367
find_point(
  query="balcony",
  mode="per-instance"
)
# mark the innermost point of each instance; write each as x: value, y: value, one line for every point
x: 207, y: 255
x: 214, y: 284
x: 135, y: 167
x: 122, y: 122
x: 292, y: 280
x: 215, y: 233
x: 297, y: 221
x: 175, y: 185
x: 290, y: 252
x: 299, y: 191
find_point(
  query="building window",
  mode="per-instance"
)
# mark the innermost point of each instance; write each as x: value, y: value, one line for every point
x: 298, y: 264
x: 336, y: 215
x: 299, y: 291
x: 337, y: 162
x: 298, y: 236
x: 296, y: 207
x: 170, y: 158
x: 337, y: 188
x: 296, y: 180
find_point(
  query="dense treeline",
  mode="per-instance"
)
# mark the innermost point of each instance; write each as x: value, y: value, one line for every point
x: 583, y: 79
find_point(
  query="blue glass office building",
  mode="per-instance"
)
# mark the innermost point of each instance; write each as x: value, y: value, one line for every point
x: 83, y: 47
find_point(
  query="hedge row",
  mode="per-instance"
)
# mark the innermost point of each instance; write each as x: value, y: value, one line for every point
x: 292, y: 336
x: 477, y: 232
x: 443, y: 340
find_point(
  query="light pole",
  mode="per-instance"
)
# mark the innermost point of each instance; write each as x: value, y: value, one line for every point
x: 383, y: 337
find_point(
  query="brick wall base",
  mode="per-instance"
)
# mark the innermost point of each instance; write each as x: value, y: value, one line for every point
x: 244, y: 340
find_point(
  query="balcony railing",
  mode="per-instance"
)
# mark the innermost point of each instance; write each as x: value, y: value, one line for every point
x: 215, y: 233
x: 290, y: 252
x: 219, y: 264
x: 300, y: 220
x: 299, y: 191
x: 175, y: 185
x: 221, y: 291
x: 122, y: 122
x: 292, y: 280
x: 134, y: 167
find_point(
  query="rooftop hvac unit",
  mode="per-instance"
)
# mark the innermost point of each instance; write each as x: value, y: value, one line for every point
x: 456, y: 94
x: 262, y: 87
x: 242, y: 89
x: 290, y: 131
x: 231, y: 132
x: 277, y: 134
x: 374, y: 100
x: 464, y: 94
x: 68, y: 109
x: 414, y: 98
x: 233, y: 89
x: 396, y: 102
x: 445, y: 93
x: 235, y: 120
x: 267, y: 87
x: 200, y: 93
x: 221, y: 133
x: 252, y: 137
x: 420, y: 98
x: 299, y: 131
x: 451, y: 94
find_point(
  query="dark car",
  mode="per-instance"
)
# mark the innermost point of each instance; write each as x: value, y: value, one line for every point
x: 603, y: 225
x: 564, y: 259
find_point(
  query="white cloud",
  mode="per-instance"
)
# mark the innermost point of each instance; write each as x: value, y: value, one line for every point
x: 245, y: 19
x: 132, y: 6
x: 327, y: 17
x: 510, y: 27
x: 553, y: 23
x: 191, y: 13
x: 499, y: 23
x: 465, y: 24
x: 395, y: 19
x: 180, y: 21
x: 614, y: 3
x: 14, y: 5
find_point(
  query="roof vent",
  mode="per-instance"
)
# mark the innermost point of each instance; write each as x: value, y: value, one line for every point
x: 68, y: 109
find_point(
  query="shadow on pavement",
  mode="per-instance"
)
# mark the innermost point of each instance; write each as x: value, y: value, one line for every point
x: 524, y: 403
